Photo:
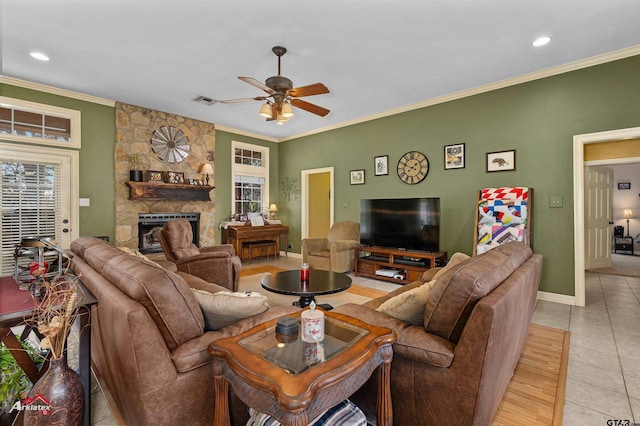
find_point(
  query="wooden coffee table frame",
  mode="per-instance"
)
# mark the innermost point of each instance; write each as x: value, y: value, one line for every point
x: 296, y: 399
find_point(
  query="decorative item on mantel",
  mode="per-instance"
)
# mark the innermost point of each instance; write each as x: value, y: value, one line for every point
x: 206, y: 170
x: 60, y: 389
x: 135, y: 174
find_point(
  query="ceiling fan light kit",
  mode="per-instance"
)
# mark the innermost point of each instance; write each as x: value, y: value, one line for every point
x: 282, y: 96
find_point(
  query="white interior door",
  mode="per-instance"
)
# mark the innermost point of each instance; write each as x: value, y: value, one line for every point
x: 598, y: 216
x: 38, y: 197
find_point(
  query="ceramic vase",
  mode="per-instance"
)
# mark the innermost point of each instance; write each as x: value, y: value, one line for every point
x: 61, y: 389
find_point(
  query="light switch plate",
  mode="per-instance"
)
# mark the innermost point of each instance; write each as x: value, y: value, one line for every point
x: 555, y: 201
x: 85, y: 202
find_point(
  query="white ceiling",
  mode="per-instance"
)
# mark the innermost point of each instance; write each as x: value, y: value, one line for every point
x: 373, y: 55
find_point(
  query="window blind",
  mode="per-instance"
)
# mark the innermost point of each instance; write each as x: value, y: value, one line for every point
x: 30, y: 205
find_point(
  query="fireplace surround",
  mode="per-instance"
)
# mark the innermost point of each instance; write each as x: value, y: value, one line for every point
x: 150, y: 223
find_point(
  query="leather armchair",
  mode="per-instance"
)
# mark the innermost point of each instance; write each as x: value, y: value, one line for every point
x: 215, y: 264
x: 336, y: 252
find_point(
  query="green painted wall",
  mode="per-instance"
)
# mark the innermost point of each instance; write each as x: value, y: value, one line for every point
x: 97, y: 176
x: 223, y: 172
x: 538, y: 119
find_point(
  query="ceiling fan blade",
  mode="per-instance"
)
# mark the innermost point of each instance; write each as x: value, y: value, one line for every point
x: 256, y: 83
x: 310, y: 90
x: 314, y: 109
x: 232, y: 101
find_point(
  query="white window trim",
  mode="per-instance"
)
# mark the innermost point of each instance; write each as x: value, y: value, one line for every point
x: 246, y: 170
x: 73, y: 115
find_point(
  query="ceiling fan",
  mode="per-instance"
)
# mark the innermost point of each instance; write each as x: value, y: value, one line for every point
x: 282, y: 95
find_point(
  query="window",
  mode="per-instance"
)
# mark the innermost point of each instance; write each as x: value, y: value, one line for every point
x: 250, y: 164
x: 30, y: 122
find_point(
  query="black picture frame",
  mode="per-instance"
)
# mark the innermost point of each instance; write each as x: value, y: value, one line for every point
x: 356, y: 177
x: 501, y: 161
x: 454, y: 156
x: 381, y: 165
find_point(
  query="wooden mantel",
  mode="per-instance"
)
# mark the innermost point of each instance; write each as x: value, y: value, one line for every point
x: 168, y: 191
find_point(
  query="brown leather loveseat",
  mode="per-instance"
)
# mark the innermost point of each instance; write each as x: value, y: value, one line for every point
x: 454, y: 366
x: 148, y: 342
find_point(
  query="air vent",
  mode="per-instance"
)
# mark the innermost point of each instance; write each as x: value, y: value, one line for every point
x: 204, y: 100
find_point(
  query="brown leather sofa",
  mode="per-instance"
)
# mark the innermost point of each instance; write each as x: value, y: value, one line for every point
x: 148, y: 342
x: 454, y: 368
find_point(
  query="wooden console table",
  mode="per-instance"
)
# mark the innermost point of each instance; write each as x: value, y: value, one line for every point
x: 236, y: 235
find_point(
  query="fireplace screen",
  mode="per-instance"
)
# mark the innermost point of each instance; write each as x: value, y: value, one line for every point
x: 150, y: 223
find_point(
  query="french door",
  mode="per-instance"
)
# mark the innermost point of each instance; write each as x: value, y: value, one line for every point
x: 38, y: 197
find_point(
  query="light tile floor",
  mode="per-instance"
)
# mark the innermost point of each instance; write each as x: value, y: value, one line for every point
x: 603, y: 382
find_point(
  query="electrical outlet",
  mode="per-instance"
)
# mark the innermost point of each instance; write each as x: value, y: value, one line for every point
x: 345, y: 205
x: 555, y: 201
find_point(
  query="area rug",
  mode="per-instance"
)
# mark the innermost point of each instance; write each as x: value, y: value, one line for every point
x: 621, y: 264
x: 535, y: 395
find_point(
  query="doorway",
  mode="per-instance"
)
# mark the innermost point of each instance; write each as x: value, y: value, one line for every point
x: 317, y: 202
x: 39, y: 197
x: 579, y: 142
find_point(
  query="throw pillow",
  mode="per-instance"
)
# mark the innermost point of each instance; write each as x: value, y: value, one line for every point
x: 409, y: 306
x: 225, y: 307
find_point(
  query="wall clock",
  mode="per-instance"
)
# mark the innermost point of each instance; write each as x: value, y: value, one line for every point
x: 413, y: 167
x: 171, y: 144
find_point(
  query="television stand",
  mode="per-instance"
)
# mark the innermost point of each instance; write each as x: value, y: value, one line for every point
x: 396, y: 266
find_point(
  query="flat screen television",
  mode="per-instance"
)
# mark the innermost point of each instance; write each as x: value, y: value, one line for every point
x: 402, y: 223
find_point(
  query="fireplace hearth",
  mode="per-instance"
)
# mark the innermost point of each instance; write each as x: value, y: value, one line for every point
x: 150, y: 223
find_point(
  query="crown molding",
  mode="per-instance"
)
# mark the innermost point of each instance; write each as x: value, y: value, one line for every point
x: 245, y: 133
x: 56, y: 91
x: 549, y: 72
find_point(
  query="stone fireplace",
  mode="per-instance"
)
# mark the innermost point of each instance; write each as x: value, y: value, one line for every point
x: 150, y: 223
x: 134, y: 128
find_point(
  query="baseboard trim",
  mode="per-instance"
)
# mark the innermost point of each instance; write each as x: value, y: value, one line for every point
x: 557, y: 298
x: 293, y: 255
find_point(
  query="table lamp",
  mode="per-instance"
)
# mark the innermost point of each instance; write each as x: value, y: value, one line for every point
x: 628, y: 214
x: 206, y: 170
x: 273, y: 209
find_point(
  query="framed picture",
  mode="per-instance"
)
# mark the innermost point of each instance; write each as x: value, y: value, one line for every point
x: 381, y: 165
x: 454, y: 156
x: 154, y: 176
x: 356, y: 177
x: 195, y: 181
x: 501, y: 161
x: 175, y: 177
x: 624, y: 185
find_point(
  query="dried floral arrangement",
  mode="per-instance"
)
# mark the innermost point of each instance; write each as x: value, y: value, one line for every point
x: 56, y: 311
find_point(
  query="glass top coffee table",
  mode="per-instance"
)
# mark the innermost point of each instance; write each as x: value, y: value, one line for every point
x: 320, y: 282
x: 294, y: 381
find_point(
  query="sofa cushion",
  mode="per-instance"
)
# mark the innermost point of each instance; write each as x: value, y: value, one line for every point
x: 95, y: 251
x: 409, y: 305
x: 225, y: 308
x: 456, y: 291
x: 164, y: 294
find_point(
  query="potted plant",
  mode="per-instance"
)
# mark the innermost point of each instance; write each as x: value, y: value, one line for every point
x: 14, y: 384
x: 135, y: 174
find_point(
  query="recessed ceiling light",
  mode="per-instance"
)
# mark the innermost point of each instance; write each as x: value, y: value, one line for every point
x: 541, y: 41
x: 39, y: 56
